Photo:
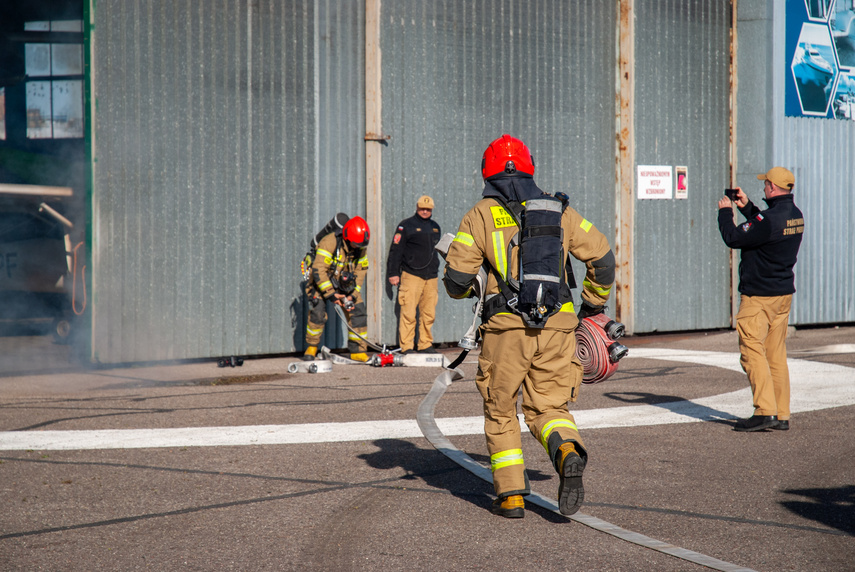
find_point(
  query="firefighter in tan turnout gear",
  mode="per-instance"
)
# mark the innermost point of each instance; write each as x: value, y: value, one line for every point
x: 338, y: 272
x: 523, y: 237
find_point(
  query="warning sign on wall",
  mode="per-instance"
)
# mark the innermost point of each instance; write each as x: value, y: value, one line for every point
x: 655, y: 182
x: 682, y: 191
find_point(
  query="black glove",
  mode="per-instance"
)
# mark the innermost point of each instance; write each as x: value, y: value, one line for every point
x: 588, y: 310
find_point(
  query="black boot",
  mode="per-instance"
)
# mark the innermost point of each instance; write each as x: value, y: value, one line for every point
x: 571, y: 493
x: 756, y: 423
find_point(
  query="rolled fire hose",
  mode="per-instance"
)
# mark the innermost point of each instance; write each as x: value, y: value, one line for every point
x: 597, y: 348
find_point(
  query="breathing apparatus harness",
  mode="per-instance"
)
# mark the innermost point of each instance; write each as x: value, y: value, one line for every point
x: 544, y: 276
x: 343, y: 282
x: 336, y: 224
x: 540, y: 294
x: 545, y: 279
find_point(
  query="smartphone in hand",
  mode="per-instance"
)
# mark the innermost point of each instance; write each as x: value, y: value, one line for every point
x: 732, y: 194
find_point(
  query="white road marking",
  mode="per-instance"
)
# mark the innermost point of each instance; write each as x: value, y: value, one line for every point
x: 825, y: 350
x: 814, y: 386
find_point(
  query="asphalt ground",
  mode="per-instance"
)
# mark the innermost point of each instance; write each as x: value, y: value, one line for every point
x: 337, y: 500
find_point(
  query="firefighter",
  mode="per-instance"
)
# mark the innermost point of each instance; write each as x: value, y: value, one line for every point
x: 518, y: 352
x: 337, y: 275
x: 412, y: 266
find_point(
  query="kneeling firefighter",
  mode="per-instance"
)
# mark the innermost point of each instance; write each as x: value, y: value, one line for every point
x: 337, y: 267
x: 523, y: 236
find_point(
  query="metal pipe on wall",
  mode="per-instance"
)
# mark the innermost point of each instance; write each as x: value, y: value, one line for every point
x: 625, y: 172
x: 734, y: 254
x: 373, y: 165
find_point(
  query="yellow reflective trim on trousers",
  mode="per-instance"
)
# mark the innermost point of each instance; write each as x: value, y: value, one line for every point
x: 551, y: 426
x: 506, y: 459
x: 312, y: 332
x: 353, y: 337
x: 586, y: 225
x: 604, y: 292
x: 464, y: 238
x: 325, y: 285
x: 499, y: 253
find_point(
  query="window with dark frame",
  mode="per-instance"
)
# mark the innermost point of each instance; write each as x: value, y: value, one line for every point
x: 54, y: 89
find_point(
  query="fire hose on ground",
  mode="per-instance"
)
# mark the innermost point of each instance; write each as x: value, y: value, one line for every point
x: 596, y: 347
x: 316, y: 366
x: 430, y: 429
x: 385, y: 357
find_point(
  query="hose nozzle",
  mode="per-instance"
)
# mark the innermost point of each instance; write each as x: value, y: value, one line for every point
x: 614, y: 330
x: 617, y: 352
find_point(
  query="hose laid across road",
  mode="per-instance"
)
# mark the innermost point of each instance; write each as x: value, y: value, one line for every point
x: 340, y: 311
x: 431, y: 431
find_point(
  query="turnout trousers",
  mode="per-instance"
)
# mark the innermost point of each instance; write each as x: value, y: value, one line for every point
x: 762, y: 326
x: 357, y: 318
x: 416, y: 293
x: 543, y: 364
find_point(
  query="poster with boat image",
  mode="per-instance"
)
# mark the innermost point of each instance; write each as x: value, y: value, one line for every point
x: 820, y: 59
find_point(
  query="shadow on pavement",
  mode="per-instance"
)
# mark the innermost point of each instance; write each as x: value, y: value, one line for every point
x: 833, y: 507
x: 441, y: 473
x: 674, y: 404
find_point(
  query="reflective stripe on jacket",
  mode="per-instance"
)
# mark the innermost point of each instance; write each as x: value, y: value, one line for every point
x: 330, y: 262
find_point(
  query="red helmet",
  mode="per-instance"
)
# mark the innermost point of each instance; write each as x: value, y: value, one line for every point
x: 356, y: 232
x: 506, y: 155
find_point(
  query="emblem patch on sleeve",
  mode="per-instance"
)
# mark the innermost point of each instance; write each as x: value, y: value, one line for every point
x: 397, y: 238
x: 746, y: 226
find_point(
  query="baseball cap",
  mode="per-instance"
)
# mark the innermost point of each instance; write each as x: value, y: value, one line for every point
x: 425, y: 202
x: 780, y: 177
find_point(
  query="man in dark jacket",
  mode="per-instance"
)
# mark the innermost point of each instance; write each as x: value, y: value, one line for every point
x: 769, y: 241
x: 412, y: 266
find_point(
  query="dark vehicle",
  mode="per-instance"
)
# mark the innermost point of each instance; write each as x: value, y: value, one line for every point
x: 35, y: 259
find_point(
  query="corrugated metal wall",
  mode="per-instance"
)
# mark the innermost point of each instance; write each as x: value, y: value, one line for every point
x: 818, y: 151
x: 226, y: 133
x: 458, y: 74
x: 224, y: 136
x: 821, y: 154
x: 825, y: 272
x: 340, y: 150
x: 681, y: 266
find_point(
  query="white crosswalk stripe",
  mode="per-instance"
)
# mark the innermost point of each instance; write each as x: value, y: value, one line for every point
x: 814, y: 386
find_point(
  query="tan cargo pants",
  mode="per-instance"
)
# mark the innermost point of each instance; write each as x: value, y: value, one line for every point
x: 543, y: 363
x: 416, y: 293
x: 762, y: 326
